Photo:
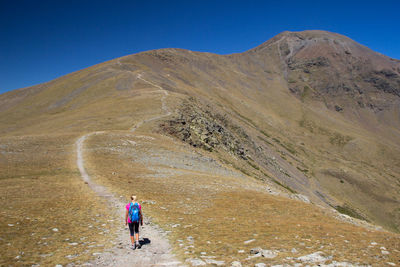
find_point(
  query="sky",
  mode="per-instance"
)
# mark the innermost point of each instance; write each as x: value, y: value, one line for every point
x: 43, y: 40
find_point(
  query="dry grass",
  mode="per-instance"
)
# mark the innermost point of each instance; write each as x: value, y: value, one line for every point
x: 111, y: 111
x: 40, y: 190
x: 219, y: 213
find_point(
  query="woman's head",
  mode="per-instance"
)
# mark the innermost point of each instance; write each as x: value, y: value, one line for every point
x: 133, y: 198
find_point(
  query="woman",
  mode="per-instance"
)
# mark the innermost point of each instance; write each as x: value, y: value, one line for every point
x: 133, y: 216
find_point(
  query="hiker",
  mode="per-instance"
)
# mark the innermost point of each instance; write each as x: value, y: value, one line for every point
x: 133, y: 217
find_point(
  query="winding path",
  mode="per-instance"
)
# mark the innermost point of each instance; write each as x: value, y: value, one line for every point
x: 158, y: 251
x: 163, y: 105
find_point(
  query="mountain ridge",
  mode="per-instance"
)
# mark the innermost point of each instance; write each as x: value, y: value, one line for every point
x: 296, y: 115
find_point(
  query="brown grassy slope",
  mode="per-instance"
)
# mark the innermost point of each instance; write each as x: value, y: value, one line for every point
x: 311, y: 142
x: 210, y: 213
x: 48, y: 215
x: 323, y: 138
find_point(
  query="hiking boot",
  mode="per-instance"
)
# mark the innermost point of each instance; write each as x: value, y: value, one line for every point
x: 133, y: 246
x: 138, y: 245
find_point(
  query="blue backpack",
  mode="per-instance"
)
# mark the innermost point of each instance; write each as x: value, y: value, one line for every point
x: 134, y: 212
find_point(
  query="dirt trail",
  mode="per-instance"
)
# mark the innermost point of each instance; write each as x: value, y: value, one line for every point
x: 163, y: 105
x: 156, y: 250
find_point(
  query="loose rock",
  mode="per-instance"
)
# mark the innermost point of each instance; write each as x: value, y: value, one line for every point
x: 215, y: 262
x: 196, y: 262
x: 314, y: 258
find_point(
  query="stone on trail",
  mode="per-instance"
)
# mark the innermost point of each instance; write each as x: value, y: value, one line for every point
x: 249, y: 241
x: 171, y: 263
x: 196, y: 262
x: 385, y: 252
x: 260, y: 265
x: 215, y: 262
x: 236, y: 264
x: 55, y: 230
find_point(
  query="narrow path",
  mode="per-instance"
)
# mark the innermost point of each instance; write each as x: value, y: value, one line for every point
x: 163, y: 105
x: 155, y: 253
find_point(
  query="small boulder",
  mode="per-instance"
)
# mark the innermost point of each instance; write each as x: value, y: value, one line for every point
x: 236, y: 264
x: 255, y: 250
x: 215, y: 262
x: 314, y: 257
x: 269, y: 254
x: 196, y: 262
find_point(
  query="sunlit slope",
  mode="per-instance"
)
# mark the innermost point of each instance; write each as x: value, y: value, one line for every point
x: 214, y: 211
x: 312, y: 112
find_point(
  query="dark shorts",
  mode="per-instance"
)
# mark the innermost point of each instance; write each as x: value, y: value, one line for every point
x: 134, y: 228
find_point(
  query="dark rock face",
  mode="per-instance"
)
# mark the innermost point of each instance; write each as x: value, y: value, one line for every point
x: 201, y: 128
x: 384, y: 80
x: 306, y: 64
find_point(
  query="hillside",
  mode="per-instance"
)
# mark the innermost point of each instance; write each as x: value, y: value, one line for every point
x: 310, y: 116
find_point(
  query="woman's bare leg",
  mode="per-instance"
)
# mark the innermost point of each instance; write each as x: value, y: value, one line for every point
x: 137, y: 237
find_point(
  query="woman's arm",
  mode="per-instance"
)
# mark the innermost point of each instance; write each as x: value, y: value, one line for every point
x: 126, y: 217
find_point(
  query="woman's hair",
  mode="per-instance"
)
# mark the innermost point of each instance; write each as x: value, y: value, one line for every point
x: 133, y: 198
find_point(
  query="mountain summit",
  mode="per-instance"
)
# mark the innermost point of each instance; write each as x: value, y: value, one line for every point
x: 336, y: 69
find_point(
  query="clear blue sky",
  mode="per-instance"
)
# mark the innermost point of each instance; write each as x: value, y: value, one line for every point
x: 42, y: 40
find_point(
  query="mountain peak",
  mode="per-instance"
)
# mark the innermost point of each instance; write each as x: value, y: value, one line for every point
x: 306, y: 38
x: 318, y: 43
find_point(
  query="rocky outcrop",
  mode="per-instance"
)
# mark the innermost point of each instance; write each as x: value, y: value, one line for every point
x: 201, y: 128
x: 385, y: 80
